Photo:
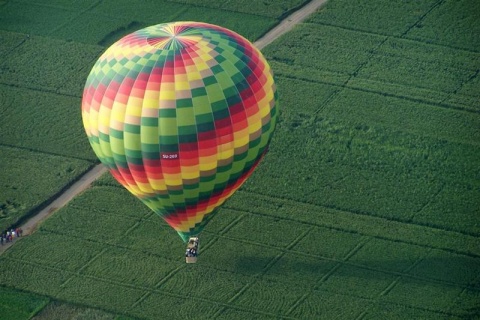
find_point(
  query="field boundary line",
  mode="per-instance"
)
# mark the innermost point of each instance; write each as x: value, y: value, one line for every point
x: 408, y: 306
x: 442, y: 105
x: 53, y: 154
x: 232, y: 224
x: 423, y: 16
x: 397, y: 280
x: 283, y: 251
x: 265, y: 269
x: 455, y: 233
x: 156, y: 287
x: 109, y: 244
x: 227, y: 304
x: 361, y: 243
x: 347, y: 230
x: 460, y: 87
x: 50, y: 90
x: 339, y: 263
x: 78, y: 272
x: 138, y: 222
x: 372, y: 51
x: 320, y: 23
x: 91, y: 175
x: 427, y: 203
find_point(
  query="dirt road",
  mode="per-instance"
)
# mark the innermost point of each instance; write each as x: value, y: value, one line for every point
x: 288, y: 23
x: 86, y: 180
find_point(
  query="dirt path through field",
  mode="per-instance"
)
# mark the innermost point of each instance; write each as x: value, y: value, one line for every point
x: 83, y: 183
x: 86, y: 180
x: 288, y: 23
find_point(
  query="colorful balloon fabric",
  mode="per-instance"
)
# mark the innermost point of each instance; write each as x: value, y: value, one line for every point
x: 181, y: 114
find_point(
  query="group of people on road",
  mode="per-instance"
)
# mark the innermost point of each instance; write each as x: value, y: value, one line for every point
x: 11, y: 235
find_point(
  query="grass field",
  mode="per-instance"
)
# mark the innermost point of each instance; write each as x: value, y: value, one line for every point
x: 366, y: 206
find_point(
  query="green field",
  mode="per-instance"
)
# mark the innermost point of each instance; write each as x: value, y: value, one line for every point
x: 47, y: 50
x: 366, y: 206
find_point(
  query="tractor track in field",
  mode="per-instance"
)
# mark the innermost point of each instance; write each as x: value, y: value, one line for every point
x: 87, y: 179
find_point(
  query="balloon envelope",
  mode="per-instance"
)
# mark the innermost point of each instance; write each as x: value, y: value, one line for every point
x: 181, y: 113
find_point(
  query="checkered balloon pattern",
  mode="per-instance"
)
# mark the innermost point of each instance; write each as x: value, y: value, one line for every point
x: 181, y: 114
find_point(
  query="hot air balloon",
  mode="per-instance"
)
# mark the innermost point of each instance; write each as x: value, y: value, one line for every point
x: 181, y: 114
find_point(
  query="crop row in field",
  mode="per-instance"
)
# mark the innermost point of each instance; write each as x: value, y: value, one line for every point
x: 381, y: 17
x: 351, y: 222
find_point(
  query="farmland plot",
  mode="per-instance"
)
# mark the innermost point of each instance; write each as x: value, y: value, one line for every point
x: 33, y: 64
x: 134, y: 260
x: 365, y: 207
x: 379, y: 17
x: 26, y: 119
x: 383, y: 148
x: 29, y: 178
x: 103, y: 22
x: 270, y: 8
x: 45, y: 63
x: 17, y: 305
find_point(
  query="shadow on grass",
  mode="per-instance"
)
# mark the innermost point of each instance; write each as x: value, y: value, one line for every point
x: 460, y: 271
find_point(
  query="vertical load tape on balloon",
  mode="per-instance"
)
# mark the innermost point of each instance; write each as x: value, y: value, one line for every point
x: 181, y: 114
